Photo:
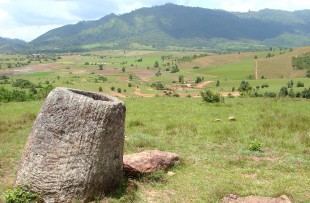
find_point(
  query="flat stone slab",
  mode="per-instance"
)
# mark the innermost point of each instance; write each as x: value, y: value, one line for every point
x: 148, y: 162
x: 255, y: 199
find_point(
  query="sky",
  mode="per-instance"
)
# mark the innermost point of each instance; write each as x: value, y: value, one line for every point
x: 28, y: 19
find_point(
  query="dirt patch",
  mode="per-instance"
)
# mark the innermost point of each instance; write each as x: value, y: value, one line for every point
x: 109, y: 71
x: 138, y: 93
x: 143, y: 74
x: 255, y: 199
x: 250, y: 176
x: 235, y: 94
x: 120, y: 95
x: 33, y: 68
x: 203, y: 84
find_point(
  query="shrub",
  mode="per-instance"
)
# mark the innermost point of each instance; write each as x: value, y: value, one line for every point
x: 119, y: 90
x: 100, y: 89
x: 306, y: 93
x: 211, y: 97
x: 300, y: 84
x: 244, y: 87
x: 158, y: 86
x: 283, y: 92
x: 255, y: 145
x: 270, y: 94
x: 198, y: 80
x: 112, y: 88
x: 290, y: 84
x: 19, y: 195
x: 291, y: 93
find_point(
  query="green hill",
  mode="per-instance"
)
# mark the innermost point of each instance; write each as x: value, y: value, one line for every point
x: 173, y: 27
x: 10, y: 45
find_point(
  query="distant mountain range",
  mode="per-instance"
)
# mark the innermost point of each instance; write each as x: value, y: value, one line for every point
x: 174, y: 27
x: 11, y: 45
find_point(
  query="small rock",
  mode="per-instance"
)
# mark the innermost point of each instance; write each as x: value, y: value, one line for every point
x: 232, y: 118
x: 170, y: 173
x: 148, y: 162
x: 217, y: 120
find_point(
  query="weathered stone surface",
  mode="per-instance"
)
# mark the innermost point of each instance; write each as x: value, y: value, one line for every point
x: 255, y: 199
x: 148, y: 161
x: 75, y: 149
x: 232, y: 118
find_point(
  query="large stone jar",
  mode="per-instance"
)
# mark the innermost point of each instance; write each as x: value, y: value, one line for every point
x: 75, y: 149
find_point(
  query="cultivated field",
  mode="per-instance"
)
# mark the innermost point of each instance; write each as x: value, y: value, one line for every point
x: 217, y: 158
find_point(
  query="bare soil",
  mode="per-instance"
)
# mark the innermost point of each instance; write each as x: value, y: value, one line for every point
x: 255, y: 199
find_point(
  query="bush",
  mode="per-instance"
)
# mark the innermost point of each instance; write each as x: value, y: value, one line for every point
x: 300, y: 84
x: 244, y: 87
x: 19, y: 195
x: 270, y: 94
x: 283, y: 92
x: 119, y: 90
x: 291, y: 93
x: 211, y: 97
x: 158, y: 86
x: 112, y: 88
x: 255, y: 145
x: 306, y: 93
x: 198, y: 80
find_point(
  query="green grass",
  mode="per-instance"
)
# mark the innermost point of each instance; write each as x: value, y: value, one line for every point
x: 216, y: 157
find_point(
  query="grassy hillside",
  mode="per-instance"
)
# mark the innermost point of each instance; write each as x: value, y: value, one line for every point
x: 216, y: 157
x: 280, y: 65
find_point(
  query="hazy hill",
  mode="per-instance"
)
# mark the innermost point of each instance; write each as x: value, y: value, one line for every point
x: 177, y: 27
x: 10, y: 45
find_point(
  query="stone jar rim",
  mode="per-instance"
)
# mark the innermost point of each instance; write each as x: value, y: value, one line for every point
x: 98, y: 97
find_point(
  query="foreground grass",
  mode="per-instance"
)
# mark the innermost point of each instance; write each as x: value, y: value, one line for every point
x: 216, y: 159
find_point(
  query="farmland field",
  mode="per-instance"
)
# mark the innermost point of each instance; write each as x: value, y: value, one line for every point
x: 216, y: 157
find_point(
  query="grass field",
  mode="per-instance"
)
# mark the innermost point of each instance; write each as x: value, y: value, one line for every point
x: 280, y: 66
x: 216, y: 157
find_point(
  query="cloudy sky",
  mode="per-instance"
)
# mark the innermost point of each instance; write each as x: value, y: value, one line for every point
x: 28, y: 19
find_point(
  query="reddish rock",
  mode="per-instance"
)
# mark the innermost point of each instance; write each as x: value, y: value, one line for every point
x: 255, y: 199
x: 148, y: 162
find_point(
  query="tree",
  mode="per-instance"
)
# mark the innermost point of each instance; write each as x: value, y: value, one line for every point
x: 211, y: 97
x: 244, y: 87
x: 300, y: 84
x: 291, y: 93
x: 290, y: 84
x: 181, y: 79
x: 217, y: 83
x: 198, y: 80
x: 130, y: 77
x: 123, y: 69
x: 156, y: 64
x: 100, y: 67
x: 283, y: 92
